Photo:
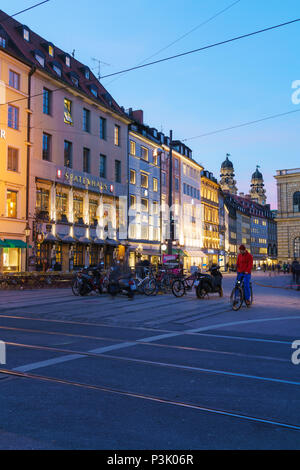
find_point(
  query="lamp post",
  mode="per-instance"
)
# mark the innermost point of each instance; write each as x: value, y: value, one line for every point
x: 27, y: 234
x: 171, y: 235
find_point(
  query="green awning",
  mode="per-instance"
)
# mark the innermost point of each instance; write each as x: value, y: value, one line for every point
x: 3, y: 244
x: 178, y: 251
x: 15, y: 244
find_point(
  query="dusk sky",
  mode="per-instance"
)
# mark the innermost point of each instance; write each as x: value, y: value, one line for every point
x: 224, y: 86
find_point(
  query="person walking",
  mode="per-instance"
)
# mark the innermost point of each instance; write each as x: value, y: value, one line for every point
x: 295, y: 263
x: 244, y: 270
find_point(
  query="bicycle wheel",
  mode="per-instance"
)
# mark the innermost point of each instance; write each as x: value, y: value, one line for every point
x: 75, y: 287
x: 178, y: 288
x: 150, y: 287
x: 236, y: 298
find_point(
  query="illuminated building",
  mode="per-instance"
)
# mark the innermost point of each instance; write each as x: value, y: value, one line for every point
x: 210, y: 218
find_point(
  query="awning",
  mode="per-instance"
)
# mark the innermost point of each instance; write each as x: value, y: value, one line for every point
x: 69, y: 239
x: 195, y: 253
x: 85, y: 241
x: 50, y: 238
x: 112, y: 242
x: 98, y: 241
x: 15, y: 244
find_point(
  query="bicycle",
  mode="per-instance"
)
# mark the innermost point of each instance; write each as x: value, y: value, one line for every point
x: 237, y: 297
x: 182, y: 285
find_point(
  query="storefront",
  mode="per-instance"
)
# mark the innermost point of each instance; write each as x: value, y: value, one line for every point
x: 13, y: 255
x: 143, y: 252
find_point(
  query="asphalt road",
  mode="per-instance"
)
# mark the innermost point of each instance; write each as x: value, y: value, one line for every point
x: 153, y: 373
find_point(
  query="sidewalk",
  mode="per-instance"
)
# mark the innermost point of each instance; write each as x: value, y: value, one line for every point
x: 276, y: 281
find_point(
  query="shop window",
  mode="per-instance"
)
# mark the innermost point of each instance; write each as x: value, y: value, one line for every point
x: 68, y: 112
x: 78, y: 256
x: 94, y: 255
x: 12, y: 159
x: 93, y: 206
x: 11, y: 202
x: 11, y: 259
x: 62, y: 207
x: 78, y: 209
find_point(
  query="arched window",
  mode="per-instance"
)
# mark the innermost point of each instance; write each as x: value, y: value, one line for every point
x: 296, y: 201
x: 297, y: 247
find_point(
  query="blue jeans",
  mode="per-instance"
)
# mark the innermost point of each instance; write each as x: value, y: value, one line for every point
x: 247, y: 279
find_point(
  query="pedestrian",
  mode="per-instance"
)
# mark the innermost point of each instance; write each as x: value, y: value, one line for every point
x: 295, y: 263
x: 244, y: 269
x: 278, y: 268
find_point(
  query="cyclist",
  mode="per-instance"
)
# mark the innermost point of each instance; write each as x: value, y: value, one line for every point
x: 244, y: 269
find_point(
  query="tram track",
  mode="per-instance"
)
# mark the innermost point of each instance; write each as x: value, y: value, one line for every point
x: 151, y: 398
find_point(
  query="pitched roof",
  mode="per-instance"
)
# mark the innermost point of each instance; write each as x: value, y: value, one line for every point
x: 25, y: 51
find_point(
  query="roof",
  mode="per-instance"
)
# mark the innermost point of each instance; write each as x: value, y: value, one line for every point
x: 257, y: 175
x: 25, y: 51
x: 227, y: 163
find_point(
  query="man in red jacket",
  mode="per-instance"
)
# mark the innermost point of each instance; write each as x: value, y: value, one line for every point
x: 244, y: 269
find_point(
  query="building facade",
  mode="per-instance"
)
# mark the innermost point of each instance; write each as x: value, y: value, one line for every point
x: 78, y: 159
x: 210, y: 219
x: 144, y: 192
x: 288, y: 215
x: 14, y: 77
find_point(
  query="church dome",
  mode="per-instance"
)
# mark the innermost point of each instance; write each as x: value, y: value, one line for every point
x: 257, y: 175
x: 227, y: 163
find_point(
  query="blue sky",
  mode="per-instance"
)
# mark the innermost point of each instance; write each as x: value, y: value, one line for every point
x: 231, y: 84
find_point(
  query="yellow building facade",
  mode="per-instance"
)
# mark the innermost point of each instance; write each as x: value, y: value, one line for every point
x: 13, y: 162
x: 210, y: 219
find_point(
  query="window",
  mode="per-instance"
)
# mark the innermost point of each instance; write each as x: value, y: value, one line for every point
x: 155, y: 184
x: 102, y: 128
x: 86, y: 160
x: 14, y: 80
x: 102, y: 166
x: 132, y: 148
x: 176, y: 163
x: 11, y: 204
x: 26, y: 35
x: 132, y: 177
x: 78, y: 209
x: 40, y: 59
x: 144, y: 204
x: 13, y: 117
x: 51, y: 50
x: 155, y: 157
x: 296, y: 202
x: 61, y: 206
x: 86, y: 120
x: 87, y: 73
x: 163, y: 177
x: 144, y: 232
x: 132, y: 202
x: 132, y: 231
x: 117, y: 171
x: 42, y: 200
x: 57, y: 69
x: 75, y: 80
x: 176, y: 184
x: 68, y: 112
x: 2, y: 41
x: 93, y: 206
x: 68, y: 61
x: 68, y: 154
x: 47, y: 97
x: 155, y: 207
x: 144, y: 180
x: 117, y: 136
x: 13, y: 159
x: 47, y: 147
x: 144, y: 153
x: 297, y: 247
x: 94, y: 91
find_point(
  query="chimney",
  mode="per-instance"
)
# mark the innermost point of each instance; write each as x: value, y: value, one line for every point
x: 138, y: 116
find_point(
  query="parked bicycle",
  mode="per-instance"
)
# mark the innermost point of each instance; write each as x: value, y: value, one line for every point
x: 183, y: 285
x: 237, y: 297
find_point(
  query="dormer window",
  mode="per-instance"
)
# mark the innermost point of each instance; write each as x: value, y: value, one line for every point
x: 68, y: 61
x: 57, y: 69
x: 2, y: 41
x: 94, y: 91
x: 26, y: 34
x: 75, y: 79
x: 39, y: 56
x: 87, y: 73
x: 51, y: 50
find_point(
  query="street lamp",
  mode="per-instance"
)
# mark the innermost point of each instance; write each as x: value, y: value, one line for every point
x: 27, y: 234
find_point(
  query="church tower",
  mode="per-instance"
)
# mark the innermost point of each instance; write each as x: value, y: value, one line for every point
x: 227, y: 181
x: 257, y: 191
